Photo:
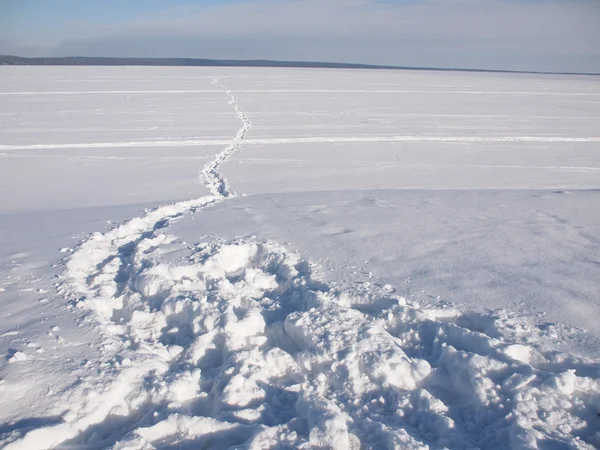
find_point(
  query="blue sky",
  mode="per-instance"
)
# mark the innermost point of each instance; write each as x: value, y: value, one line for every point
x: 555, y: 35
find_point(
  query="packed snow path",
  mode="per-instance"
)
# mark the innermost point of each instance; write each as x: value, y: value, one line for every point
x: 215, y: 183
x: 239, y: 344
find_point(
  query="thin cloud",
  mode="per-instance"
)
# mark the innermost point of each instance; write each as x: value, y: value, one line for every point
x: 536, y: 35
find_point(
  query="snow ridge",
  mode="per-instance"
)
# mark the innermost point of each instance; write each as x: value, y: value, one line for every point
x: 298, y: 140
x: 343, y: 91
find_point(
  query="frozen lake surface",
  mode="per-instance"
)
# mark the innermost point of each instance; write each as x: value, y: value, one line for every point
x: 254, y: 258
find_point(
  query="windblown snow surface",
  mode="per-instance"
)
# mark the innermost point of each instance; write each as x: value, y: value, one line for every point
x: 372, y: 259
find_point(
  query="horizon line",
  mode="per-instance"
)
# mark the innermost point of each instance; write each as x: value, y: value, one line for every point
x: 14, y: 60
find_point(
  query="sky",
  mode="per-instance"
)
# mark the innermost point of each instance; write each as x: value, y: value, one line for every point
x: 544, y: 35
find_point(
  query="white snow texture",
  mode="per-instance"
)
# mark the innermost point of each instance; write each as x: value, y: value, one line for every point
x: 241, y: 343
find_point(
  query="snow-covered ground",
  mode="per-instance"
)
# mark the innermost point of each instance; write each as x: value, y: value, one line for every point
x: 285, y: 258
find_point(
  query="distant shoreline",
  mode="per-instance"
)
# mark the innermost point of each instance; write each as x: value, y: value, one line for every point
x: 8, y: 60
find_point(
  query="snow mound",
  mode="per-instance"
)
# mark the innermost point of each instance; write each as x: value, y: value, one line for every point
x: 239, y: 345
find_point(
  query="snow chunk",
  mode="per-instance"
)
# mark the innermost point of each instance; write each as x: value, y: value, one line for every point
x: 17, y: 356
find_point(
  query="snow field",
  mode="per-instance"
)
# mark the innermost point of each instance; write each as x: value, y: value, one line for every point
x: 240, y: 343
